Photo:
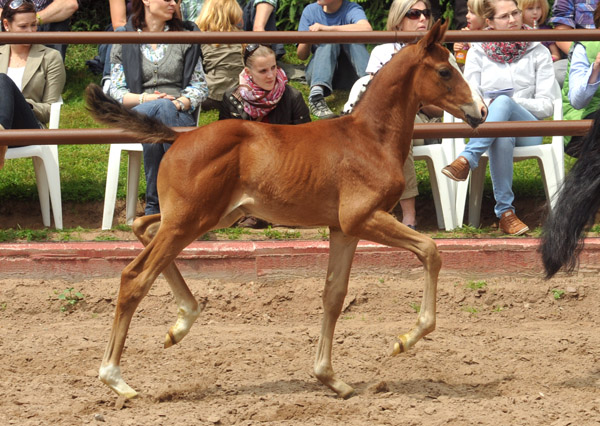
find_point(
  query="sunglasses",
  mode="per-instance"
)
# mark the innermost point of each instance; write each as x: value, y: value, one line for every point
x: 15, y: 4
x: 249, y: 50
x: 415, y: 14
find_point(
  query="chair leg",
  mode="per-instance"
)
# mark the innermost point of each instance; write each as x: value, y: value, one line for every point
x: 133, y: 183
x: 443, y: 195
x: 41, y: 179
x: 112, y: 181
x: 53, y: 178
x: 476, y: 192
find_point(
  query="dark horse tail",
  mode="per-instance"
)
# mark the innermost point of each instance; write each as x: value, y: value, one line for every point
x: 576, y: 207
x: 108, y: 111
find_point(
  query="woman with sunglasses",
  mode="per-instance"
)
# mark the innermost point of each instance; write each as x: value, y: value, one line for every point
x: 32, y: 76
x: 406, y: 15
x: 263, y: 95
x: 164, y: 81
x: 516, y: 80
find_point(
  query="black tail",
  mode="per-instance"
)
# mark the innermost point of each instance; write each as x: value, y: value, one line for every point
x: 108, y: 111
x: 576, y: 207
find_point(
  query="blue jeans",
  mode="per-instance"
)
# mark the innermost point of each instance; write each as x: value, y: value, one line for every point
x: 500, y: 150
x: 165, y: 112
x: 322, y: 65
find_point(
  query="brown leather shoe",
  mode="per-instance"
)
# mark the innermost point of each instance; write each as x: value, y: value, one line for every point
x: 511, y: 225
x: 458, y: 169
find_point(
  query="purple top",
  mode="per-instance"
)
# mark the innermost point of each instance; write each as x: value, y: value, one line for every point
x: 574, y: 13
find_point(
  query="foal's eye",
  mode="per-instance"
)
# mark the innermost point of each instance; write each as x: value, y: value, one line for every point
x: 445, y: 73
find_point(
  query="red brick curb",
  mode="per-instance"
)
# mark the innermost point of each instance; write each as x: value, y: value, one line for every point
x: 249, y: 260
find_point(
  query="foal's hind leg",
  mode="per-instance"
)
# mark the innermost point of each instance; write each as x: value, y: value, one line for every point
x: 136, y: 280
x: 341, y: 253
x: 188, y: 309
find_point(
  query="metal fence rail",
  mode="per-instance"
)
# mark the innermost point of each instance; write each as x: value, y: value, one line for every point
x: 102, y: 136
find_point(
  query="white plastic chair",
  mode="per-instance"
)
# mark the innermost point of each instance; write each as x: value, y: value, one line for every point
x: 436, y: 156
x: 134, y: 164
x: 47, y: 172
x: 550, y: 157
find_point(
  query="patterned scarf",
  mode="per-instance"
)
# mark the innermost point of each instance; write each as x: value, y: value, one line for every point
x: 505, y: 51
x: 259, y: 102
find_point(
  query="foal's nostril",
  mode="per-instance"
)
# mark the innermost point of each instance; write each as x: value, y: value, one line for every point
x: 484, y: 112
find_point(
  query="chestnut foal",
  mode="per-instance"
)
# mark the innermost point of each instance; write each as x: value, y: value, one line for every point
x: 344, y: 173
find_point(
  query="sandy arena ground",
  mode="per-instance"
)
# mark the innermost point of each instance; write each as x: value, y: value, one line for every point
x: 509, y: 353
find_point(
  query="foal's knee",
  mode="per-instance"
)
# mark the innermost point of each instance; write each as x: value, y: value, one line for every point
x: 143, y: 227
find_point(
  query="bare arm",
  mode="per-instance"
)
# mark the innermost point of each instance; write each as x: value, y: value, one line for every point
x: 263, y: 12
x: 563, y: 45
x: 118, y: 13
x: 303, y: 50
x: 362, y: 25
x: 58, y: 11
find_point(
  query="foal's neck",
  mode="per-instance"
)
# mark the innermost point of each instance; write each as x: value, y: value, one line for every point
x: 390, y: 104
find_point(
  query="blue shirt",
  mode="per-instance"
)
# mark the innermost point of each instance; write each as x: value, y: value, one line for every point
x: 581, y: 90
x: 348, y: 13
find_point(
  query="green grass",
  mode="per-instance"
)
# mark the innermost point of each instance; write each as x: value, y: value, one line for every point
x: 83, y: 167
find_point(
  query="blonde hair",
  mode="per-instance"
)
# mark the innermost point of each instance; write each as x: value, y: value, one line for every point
x: 220, y: 15
x: 398, y: 11
x: 477, y: 8
x: 523, y: 4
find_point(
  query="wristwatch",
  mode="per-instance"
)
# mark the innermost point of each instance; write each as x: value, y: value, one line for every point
x: 181, y: 105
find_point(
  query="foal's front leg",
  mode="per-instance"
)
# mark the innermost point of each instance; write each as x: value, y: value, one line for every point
x: 341, y: 253
x: 381, y: 227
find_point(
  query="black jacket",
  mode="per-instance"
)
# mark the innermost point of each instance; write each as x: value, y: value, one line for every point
x: 291, y: 108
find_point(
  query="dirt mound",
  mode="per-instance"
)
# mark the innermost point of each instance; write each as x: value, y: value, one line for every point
x: 506, y: 351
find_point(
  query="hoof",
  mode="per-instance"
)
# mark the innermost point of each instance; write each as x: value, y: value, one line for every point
x: 349, y: 393
x: 111, y: 377
x: 169, y: 340
x: 399, y: 346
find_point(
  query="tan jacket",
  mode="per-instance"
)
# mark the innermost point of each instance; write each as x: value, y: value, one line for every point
x: 43, y: 79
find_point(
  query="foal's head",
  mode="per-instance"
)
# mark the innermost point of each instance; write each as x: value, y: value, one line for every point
x: 439, y: 83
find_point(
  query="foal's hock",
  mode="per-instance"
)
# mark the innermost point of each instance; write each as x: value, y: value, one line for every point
x: 344, y: 173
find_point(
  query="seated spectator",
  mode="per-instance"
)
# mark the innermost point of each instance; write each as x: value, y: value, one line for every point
x: 516, y: 80
x: 222, y: 62
x: 581, y: 86
x: 263, y: 95
x: 32, y: 76
x: 259, y: 15
x: 164, y: 81
x: 475, y: 22
x: 324, y: 66
x: 51, y: 15
x: 568, y: 15
x: 406, y: 15
x: 535, y: 13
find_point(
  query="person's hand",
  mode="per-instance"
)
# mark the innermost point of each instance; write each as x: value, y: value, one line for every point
x: 159, y: 95
x: 596, y: 65
x: 318, y: 27
x: 458, y: 46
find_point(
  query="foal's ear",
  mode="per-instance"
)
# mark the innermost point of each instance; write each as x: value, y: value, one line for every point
x: 435, y: 34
